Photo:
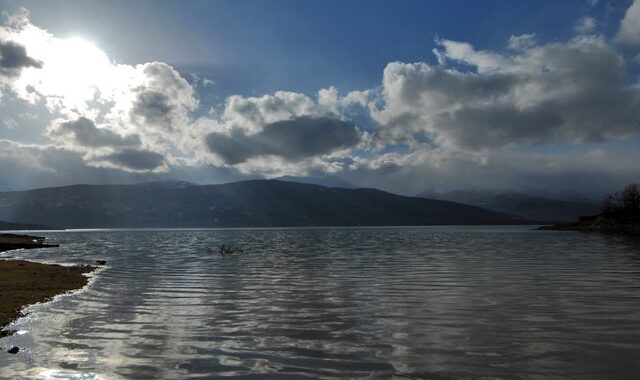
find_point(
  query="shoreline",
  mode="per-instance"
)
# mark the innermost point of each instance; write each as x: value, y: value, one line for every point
x: 600, y: 224
x: 23, y: 283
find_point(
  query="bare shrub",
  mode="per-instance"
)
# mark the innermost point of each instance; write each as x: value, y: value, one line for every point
x: 625, y: 202
x: 630, y: 198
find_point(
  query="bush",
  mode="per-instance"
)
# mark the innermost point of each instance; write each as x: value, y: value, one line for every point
x: 630, y: 199
x: 626, y: 202
x: 609, y: 204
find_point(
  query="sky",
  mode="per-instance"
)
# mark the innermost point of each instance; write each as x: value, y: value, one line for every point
x: 404, y: 96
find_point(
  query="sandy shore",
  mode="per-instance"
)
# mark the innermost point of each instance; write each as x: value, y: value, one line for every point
x: 23, y: 283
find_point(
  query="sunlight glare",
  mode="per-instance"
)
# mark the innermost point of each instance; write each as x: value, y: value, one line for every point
x: 74, y: 72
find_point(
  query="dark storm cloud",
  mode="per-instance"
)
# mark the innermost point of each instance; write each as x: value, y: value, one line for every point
x: 164, y: 101
x: 13, y: 58
x: 32, y: 166
x: 476, y: 128
x: 153, y: 107
x: 293, y: 140
x: 134, y: 159
x: 84, y: 132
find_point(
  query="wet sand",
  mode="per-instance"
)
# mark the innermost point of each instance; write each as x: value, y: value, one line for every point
x: 24, y: 283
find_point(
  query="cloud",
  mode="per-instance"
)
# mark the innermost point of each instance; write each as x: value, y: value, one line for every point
x: 283, y: 133
x: 463, y: 52
x: 472, y: 119
x: 588, y: 172
x: 9, y: 123
x: 522, y: 42
x: 13, y: 58
x: 153, y: 106
x: 586, y: 25
x: 75, y: 76
x: 575, y: 91
x: 629, y: 32
x: 134, y: 160
x: 100, y: 146
x: 293, y: 140
x: 163, y: 100
x: 96, y: 105
x: 329, y: 100
x: 84, y: 133
x: 253, y: 113
x: 41, y: 165
x: 31, y: 156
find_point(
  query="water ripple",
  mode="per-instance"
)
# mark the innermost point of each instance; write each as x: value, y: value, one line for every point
x: 436, y: 302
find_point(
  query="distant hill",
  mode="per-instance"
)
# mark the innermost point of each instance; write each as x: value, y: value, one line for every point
x: 527, y: 206
x: 327, y: 181
x: 257, y: 203
x: 170, y: 184
x: 617, y: 224
x: 620, y: 214
x: 8, y: 226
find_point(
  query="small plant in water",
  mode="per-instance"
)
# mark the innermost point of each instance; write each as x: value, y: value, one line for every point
x: 225, y: 249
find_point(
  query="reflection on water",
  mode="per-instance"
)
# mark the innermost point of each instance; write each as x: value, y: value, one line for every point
x: 436, y: 302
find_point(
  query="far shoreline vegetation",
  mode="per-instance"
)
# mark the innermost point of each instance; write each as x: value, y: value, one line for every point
x: 15, y: 226
x: 619, y: 214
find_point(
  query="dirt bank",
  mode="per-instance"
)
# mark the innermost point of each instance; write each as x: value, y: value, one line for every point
x: 23, y: 283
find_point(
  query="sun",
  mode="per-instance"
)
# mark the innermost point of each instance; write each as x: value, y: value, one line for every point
x: 74, y: 71
x: 81, y: 62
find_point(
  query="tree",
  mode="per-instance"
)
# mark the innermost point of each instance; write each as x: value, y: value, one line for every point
x: 630, y: 199
x: 609, y: 204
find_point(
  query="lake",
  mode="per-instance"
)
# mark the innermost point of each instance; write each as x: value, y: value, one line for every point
x: 426, y: 302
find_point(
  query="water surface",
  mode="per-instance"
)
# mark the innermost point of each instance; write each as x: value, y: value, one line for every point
x: 432, y: 302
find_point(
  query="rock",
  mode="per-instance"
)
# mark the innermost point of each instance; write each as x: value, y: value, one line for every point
x: 101, y: 262
x: 14, y: 350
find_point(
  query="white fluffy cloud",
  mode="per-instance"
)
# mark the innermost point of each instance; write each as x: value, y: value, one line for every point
x: 283, y: 133
x: 589, y: 173
x: 469, y: 117
x: 629, y: 32
x: 586, y: 25
x: 82, y: 133
x: 577, y: 91
x: 96, y: 105
x: 102, y: 147
x: 40, y: 165
x: 140, y: 117
x: 523, y: 41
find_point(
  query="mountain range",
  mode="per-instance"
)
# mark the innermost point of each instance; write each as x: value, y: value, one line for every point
x: 527, y: 206
x: 322, y: 181
x: 255, y: 203
x: 7, y: 226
